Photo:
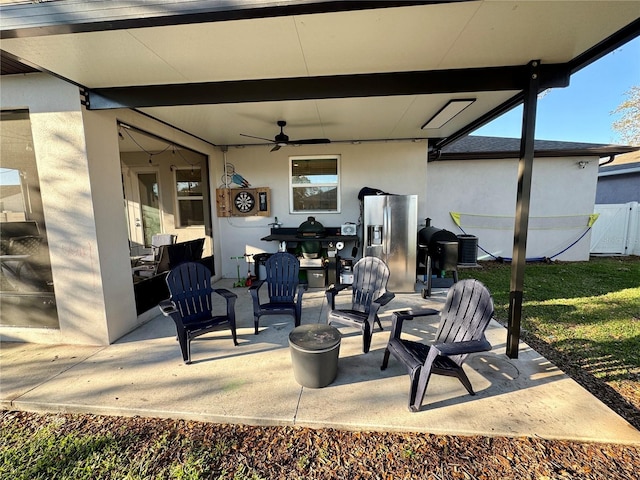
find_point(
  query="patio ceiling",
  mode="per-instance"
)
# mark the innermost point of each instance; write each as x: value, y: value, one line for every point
x: 340, y: 70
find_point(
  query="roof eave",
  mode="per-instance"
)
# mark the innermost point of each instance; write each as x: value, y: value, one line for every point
x: 604, y: 151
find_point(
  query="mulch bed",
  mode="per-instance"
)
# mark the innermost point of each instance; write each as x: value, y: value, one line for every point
x: 250, y: 452
x: 290, y: 452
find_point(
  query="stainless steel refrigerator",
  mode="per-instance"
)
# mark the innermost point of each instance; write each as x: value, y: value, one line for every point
x: 390, y: 231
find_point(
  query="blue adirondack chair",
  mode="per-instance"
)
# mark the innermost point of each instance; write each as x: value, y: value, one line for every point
x: 283, y: 287
x: 463, y: 321
x: 191, y: 305
x: 368, y: 294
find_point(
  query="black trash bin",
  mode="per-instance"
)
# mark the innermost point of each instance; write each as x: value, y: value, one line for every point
x: 314, y: 354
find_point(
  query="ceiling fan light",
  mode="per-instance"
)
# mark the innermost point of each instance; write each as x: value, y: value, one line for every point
x: 448, y: 112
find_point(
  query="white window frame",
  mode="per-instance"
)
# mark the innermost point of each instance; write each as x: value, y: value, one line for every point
x: 186, y: 199
x: 293, y: 185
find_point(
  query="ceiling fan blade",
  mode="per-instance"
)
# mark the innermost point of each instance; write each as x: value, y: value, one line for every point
x: 282, y: 139
x: 258, y: 138
x: 310, y: 141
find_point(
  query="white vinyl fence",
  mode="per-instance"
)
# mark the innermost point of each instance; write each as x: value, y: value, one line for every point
x: 617, y: 230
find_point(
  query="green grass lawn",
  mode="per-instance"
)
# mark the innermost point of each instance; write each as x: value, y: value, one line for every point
x: 588, y: 311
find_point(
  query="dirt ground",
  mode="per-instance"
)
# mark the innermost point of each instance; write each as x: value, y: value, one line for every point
x: 246, y: 452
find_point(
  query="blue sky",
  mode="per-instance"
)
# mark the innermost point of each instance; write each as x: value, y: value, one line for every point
x: 580, y: 112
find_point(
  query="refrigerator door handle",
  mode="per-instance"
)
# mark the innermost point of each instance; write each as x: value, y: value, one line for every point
x: 386, y: 229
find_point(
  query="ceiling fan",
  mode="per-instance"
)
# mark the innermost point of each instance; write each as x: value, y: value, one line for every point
x: 282, y: 139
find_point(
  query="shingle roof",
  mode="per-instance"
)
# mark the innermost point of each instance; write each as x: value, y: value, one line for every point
x: 475, y: 147
x: 11, y: 66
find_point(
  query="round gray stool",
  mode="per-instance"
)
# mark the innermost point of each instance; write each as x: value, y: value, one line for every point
x: 314, y: 354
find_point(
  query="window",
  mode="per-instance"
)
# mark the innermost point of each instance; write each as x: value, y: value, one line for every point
x: 189, y: 194
x: 26, y: 283
x: 315, y: 183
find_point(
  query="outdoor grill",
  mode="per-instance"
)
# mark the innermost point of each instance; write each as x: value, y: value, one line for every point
x: 311, y: 231
x: 440, y: 245
x: 438, y: 252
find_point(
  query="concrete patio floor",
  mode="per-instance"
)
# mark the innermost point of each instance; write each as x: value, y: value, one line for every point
x: 143, y: 374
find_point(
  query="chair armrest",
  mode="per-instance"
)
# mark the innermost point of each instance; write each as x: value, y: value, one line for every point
x: 460, y: 348
x: 399, y: 317
x: 301, y: 290
x: 167, y: 307
x: 340, y: 286
x: 255, y: 285
x: 396, y: 324
x: 421, y: 312
x: 385, y: 298
x: 254, y: 290
x: 230, y: 298
x: 227, y: 294
x: 332, y: 291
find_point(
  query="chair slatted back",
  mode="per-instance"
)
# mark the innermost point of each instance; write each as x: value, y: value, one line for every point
x: 190, y: 288
x: 466, y: 314
x: 370, y: 278
x: 282, y: 271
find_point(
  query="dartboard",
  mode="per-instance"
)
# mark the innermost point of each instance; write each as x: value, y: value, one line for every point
x: 244, y: 202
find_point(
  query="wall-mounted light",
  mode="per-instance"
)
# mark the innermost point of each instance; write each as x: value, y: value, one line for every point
x: 582, y: 164
x: 448, y: 112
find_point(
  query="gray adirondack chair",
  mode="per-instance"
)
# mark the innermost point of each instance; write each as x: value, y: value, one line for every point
x: 191, y: 305
x: 283, y: 287
x: 368, y: 294
x: 463, y: 321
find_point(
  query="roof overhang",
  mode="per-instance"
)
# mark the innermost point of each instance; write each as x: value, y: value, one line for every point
x: 628, y: 169
x: 494, y: 148
x: 348, y: 71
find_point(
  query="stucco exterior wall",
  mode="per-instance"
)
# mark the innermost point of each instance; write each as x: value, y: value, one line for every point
x: 560, y: 188
x: 395, y: 167
x: 78, y: 161
x: 61, y: 154
x: 621, y: 188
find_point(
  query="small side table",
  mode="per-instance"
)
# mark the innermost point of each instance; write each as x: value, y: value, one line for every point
x: 314, y: 354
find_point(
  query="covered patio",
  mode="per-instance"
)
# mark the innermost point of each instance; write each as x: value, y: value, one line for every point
x: 143, y: 374
x: 219, y: 75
